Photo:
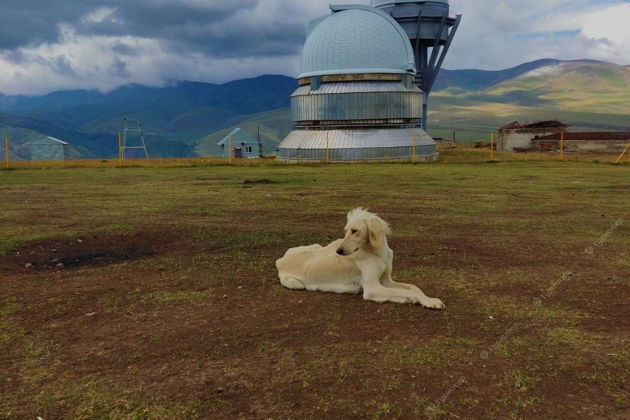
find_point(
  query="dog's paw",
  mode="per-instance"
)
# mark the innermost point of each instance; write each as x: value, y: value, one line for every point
x: 433, y: 303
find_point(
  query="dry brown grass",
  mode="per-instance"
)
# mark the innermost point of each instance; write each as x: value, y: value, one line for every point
x: 460, y: 155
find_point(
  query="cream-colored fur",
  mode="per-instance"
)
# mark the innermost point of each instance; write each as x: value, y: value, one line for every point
x: 361, y: 262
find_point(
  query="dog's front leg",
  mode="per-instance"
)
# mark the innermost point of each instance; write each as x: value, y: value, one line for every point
x: 423, y: 299
x: 375, y: 291
x: 388, y: 282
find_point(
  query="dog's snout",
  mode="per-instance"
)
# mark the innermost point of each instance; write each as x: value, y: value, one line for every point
x: 340, y: 251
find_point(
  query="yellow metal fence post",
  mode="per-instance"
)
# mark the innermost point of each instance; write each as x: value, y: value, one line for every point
x: 414, y: 150
x: 119, y: 149
x: 230, y: 150
x: 622, y: 154
x: 7, y: 159
x: 562, y: 145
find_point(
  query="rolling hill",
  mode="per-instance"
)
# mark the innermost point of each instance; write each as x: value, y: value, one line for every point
x: 22, y: 130
x: 586, y: 94
x: 187, y: 118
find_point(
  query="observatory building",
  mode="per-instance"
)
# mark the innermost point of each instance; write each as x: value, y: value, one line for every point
x: 359, y: 97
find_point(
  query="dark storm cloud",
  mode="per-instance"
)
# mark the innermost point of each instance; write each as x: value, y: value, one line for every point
x: 28, y: 22
x: 103, y: 44
x: 118, y: 69
x: 220, y: 28
x: 62, y: 66
x: 123, y: 49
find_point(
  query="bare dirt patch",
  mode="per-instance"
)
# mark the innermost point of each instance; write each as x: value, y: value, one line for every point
x: 259, y: 181
x: 88, y: 250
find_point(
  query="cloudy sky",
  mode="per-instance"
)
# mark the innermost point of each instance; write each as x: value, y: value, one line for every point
x: 101, y: 44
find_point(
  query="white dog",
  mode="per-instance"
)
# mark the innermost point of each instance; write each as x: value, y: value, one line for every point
x: 361, y: 261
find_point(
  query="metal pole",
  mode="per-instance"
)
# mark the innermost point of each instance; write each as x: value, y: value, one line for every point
x: 491, y: 146
x: 124, y: 141
x: 119, y: 149
x: 622, y: 154
x: 414, y: 150
x: 425, y: 111
x: 436, y: 43
x: 144, y: 145
x: 445, y: 49
x: 562, y: 145
x: 6, y: 152
x: 230, y: 150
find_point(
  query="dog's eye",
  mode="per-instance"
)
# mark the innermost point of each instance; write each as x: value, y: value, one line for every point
x: 354, y: 231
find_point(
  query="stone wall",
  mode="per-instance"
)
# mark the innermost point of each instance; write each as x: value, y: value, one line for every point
x: 509, y: 139
x: 584, y: 146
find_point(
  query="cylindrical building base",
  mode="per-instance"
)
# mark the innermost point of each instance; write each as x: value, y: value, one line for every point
x: 357, y: 145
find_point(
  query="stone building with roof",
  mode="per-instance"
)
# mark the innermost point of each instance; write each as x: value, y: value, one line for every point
x: 585, y: 142
x: 517, y: 136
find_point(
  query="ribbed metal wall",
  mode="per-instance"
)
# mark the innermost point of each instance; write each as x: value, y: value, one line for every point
x: 357, y: 154
x: 356, y: 101
x: 356, y: 145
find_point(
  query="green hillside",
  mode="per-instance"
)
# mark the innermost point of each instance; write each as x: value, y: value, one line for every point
x: 580, y: 86
x: 188, y: 118
x: 588, y: 95
x: 184, y: 112
x: 21, y: 131
x: 274, y: 126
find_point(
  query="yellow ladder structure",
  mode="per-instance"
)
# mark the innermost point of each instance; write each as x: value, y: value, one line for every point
x: 622, y: 154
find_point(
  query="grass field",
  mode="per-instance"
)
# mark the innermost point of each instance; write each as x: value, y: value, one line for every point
x: 144, y: 293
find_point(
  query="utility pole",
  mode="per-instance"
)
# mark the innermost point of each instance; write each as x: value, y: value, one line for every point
x: 119, y: 149
x: 413, y: 159
x: 230, y: 150
x: 6, y: 152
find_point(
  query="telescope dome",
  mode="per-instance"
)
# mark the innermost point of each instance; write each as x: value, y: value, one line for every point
x: 380, y: 3
x: 355, y: 41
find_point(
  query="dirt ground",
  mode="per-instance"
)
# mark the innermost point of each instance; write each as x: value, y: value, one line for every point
x: 152, y: 293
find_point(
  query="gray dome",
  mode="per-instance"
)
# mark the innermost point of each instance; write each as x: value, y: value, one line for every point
x: 380, y: 3
x: 357, y: 40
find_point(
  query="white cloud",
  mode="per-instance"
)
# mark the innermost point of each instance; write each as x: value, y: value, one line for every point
x: 498, y: 34
x: 493, y: 34
x: 87, y: 62
x: 99, y: 15
x: 610, y: 23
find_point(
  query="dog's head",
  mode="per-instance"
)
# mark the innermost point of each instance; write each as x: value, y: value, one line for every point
x: 363, y: 228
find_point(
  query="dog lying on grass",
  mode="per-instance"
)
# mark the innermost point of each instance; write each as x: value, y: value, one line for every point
x: 361, y: 262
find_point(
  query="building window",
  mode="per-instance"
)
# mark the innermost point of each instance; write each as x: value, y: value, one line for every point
x: 248, y: 149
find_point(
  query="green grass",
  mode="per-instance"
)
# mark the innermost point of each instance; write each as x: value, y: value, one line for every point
x: 201, y: 328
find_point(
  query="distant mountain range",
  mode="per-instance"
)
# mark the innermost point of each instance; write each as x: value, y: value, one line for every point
x: 188, y: 118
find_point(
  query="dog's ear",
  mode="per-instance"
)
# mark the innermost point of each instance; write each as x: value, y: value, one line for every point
x: 378, y: 229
